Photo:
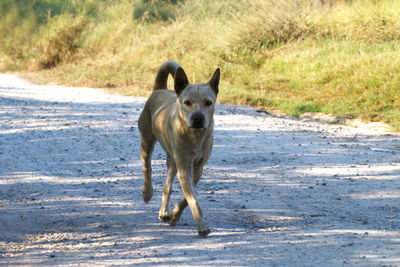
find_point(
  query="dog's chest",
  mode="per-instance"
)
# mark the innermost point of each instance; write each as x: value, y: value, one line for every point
x: 199, y: 144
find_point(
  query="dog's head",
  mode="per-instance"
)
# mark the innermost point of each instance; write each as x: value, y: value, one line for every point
x: 196, y: 102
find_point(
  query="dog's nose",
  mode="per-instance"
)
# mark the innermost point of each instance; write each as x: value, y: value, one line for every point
x: 198, y: 120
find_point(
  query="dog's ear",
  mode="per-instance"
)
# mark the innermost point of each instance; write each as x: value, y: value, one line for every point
x: 214, y: 82
x: 180, y: 81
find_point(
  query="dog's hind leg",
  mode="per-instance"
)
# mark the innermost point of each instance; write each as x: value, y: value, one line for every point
x: 197, y: 172
x: 177, y: 211
x: 146, y: 152
x: 164, y: 210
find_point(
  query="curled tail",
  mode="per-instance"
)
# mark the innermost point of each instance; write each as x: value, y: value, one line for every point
x: 169, y: 67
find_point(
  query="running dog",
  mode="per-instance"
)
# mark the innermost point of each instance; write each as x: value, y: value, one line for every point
x: 182, y: 122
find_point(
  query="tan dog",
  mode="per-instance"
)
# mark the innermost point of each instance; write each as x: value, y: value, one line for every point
x: 182, y: 121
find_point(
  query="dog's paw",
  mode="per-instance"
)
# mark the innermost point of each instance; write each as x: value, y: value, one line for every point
x: 147, y: 193
x: 173, y: 220
x: 175, y: 216
x: 164, y: 218
x: 204, y: 233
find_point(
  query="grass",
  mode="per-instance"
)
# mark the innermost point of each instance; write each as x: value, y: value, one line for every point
x: 297, y: 56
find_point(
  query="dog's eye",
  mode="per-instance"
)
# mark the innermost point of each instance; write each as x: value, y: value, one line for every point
x: 208, y: 103
x: 187, y: 102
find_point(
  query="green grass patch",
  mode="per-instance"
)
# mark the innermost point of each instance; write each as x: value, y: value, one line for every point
x: 297, y: 56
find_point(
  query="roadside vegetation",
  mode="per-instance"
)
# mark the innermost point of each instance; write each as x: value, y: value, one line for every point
x: 331, y: 56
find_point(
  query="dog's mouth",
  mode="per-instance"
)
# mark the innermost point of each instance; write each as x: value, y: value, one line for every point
x: 197, y: 127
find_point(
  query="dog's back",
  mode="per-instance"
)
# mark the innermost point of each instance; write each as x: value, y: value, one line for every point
x: 160, y: 100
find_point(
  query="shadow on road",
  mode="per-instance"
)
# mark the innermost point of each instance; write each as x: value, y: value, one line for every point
x: 70, y: 180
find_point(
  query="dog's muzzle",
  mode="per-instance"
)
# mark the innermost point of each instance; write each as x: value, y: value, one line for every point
x: 197, y: 120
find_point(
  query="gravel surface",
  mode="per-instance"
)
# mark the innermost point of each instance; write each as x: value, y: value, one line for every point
x: 276, y: 191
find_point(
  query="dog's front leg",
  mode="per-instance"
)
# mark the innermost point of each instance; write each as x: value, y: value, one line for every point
x: 185, y: 175
x: 164, y: 210
x: 182, y: 204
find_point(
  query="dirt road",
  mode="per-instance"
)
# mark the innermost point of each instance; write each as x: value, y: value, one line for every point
x: 276, y: 192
